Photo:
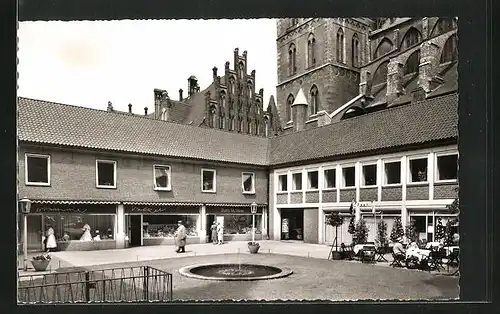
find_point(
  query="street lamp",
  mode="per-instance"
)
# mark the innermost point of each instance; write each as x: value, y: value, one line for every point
x: 25, y: 209
x: 253, y: 209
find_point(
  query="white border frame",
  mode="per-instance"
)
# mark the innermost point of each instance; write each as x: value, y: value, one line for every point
x: 362, y: 175
x: 169, y: 187
x: 408, y: 170
x: 292, y: 188
x: 384, y: 173
x: 278, y: 182
x: 97, y: 161
x: 214, y: 190
x: 436, y: 168
x: 323, y: 185
x: 342, y: 178
x: 308, y: 181
x: 47, y: 157
x: 253, y: 182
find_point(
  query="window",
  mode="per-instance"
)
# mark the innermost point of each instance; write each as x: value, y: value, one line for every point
x: 242, y: 70
x: 418, y: 170
x: 294, y: 22
x: 447, y: 167
x: 380, y: 75
x: 383, y: 48
x: 162, y: 175
x: 292, y: 54
x: 444, y: 25
x: 349, y: 176
x: 330, y: 178
x: 212, y: 121
x: 242, y: 224
x: 250, y: 92
x: 208, y: 180
x: 69, y: 227
x: 282, y: 183
x: 232, y: 86
x: 340, y: 45
x: 369, y: 175
x: 164, y: 226
x: 37, y: 169
x: 411, y: 38
x: 412, y: 63
x: 392, y: 172
x: 314, y: 100
x: 311, y: 46
x: 312, y: 180
x: 248, y: 182
x: 106, y: 174
x: 450, y: 51
x: 289, y: 104
x: 297, y: 181
x: 355, y: 51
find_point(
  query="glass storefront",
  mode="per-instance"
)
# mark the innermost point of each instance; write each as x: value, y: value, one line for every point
x: 83, y: 227
x: 241, y: 224
x: 164, y: 226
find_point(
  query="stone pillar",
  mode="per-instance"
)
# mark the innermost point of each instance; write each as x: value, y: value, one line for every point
x: 425, y: 28
x: 323, y: 118
x: 365, y: 86
x: 264, y: 223
x: 202, y: 231
x: 120, y: 227
x: 429, y: 59
x: 394, y: 80
x: 404, y: 180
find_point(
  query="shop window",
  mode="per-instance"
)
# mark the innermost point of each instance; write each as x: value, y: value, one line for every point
x: 208, y: 180
x: 248, y: 182
x: 106, y: 173
x: 164, y: 226
x: 282, y: 183
x: 312, y: 180
x: 81, y: 227
x: 241, y: 224
x: 349, y: 176
x: 37, y: 169
x: 297, y: 181
x: 447, y: 167
x: 418, y: 170
x: 162, y: 175
x: 393, y: 172
x: 330, y: 178
x: 369, y: 175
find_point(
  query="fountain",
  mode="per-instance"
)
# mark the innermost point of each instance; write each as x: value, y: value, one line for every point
x: 234, y: 272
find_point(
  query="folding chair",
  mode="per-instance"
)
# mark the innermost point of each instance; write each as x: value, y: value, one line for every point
x: 367, y: 254
x: 436, y: 260
x: 380, y: 252
x: 397, y: 259
x: 347, y: 252
x: 453, y: 258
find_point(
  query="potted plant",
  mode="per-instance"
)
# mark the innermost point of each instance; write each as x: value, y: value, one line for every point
x: 253, y: 247
x: 335, y: 220
x: 41, y: 262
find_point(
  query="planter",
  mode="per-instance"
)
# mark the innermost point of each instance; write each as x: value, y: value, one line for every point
x: 336, y: 255
x: 253, y: 247
x: 40, y: 265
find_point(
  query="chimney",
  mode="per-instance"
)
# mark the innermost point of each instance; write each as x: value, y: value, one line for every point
x: 365, y: 85
x: 180, y: 95
x: 214, y: 71
x: 394, y: 80
x: 192, y: 85
x: 145, y: 111
x: 110, y: 106
x: 429, y: 62
x: 129, y: 108
x: 299, y: 108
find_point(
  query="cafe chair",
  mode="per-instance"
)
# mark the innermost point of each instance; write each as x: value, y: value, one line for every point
x: 397, y: 260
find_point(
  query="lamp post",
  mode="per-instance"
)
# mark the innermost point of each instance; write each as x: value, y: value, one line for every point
x: 25, y: 209
x: 253, y: 209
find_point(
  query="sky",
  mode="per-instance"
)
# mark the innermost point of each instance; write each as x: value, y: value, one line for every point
x: 92, y: 62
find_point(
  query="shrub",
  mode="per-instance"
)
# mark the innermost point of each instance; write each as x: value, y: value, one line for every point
x: 397, y: 230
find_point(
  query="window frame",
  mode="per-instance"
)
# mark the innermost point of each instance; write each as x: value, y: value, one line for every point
x: 279, y: 187
x: 169, y: 186
x: 308, y: 186
x: 436, y: 166
x: 292, y: 188
x: 362, y: 176
x: 408, y: 173
x: 26, y: 180
x: 343, y: 184
x: 214, y: 190
x: 253, y: 182
x: 384, y: 180
x: 105, y: 161
x: 325, y: 169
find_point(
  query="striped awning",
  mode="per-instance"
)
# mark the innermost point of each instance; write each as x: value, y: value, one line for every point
x: 67, y: 202
x: 233, y: 205
x: 163, y: 203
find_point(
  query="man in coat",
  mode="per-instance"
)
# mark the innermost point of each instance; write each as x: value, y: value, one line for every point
x: 180, y: 238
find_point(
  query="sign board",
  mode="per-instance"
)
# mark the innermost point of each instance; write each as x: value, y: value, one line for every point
x: 137, y: 209
x: 232, y: 210
x: 76, y: 209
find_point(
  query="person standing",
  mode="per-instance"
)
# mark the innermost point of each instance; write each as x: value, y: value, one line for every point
x: 51, y: 241
x: 220, y: 233
x: 180, y: 238
x: 213, y: 228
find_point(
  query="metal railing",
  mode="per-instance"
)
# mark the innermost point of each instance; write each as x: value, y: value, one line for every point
x: 131, y: 284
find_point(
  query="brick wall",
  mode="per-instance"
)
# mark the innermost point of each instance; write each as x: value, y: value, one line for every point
x: 73, y: 177
x: 311, y: 225
x: 282, y: 198
x: 312, y: 197
x: 347, y: 195
x: 296, y: 198
x: 368, y: 194
x: 420, y: 192
x: 392, y: 193
x: 445, y: 190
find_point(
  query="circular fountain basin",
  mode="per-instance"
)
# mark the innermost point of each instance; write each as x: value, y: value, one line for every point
x: 234, y: 272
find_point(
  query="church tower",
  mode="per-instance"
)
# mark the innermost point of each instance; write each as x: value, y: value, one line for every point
x: 323, y: 57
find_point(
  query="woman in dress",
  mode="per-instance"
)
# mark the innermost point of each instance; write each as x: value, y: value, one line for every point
x: 51, y: 241
x: 213, y: 228
x: 86, y: 236
x: 220, y: 233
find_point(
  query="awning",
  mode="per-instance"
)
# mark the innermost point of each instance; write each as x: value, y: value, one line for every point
x: 65, y: 202
x: 233, y: 205
x: 163, y: 203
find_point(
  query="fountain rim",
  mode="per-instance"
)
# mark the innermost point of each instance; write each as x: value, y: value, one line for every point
x: 186, y: 271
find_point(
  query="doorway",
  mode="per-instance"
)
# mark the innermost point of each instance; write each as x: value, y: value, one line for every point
x: 35, y: 233
x: 292, y: 224
x: 135, y: 230
x: 210, y: 221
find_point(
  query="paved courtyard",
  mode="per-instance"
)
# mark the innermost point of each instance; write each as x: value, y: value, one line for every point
x: 314, y: 277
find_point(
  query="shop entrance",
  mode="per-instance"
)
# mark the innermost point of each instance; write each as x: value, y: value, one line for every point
x: 35, y: 233
x: 292, y: 224
x: 135, y: 230
x: 210, y: 221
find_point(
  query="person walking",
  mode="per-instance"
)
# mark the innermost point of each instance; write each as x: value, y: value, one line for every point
x: 51, y: 241
x: 213, y: 228
x: 220, y: 233
x: 180, y: 238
